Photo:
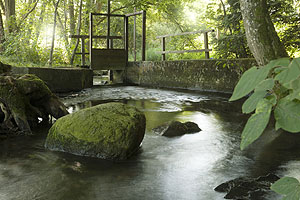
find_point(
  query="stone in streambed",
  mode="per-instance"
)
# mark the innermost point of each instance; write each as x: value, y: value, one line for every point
x: 247, y: 188
x: 111, y: 131
x: 176, y: 128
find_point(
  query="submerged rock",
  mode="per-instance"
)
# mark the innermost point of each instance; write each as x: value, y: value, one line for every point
x: 176, y: 128
x: 247, y: 188
x: 111, y: 131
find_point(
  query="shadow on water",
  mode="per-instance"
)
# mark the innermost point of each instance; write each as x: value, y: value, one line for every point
x: 186, y: 167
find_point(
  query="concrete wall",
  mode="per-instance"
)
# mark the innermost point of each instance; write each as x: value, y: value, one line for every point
x: 60, y: 79
x: 206, y: 75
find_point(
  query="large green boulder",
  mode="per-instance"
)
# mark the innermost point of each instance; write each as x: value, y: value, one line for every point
x: 111, y: 131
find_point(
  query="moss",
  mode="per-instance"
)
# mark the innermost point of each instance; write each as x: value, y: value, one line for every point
x: 115, y: 129
x: 27, y: 98
x: 31, y: 84
x: 11, y: 94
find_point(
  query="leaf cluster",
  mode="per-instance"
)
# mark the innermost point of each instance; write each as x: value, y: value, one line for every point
x: 273, y: 87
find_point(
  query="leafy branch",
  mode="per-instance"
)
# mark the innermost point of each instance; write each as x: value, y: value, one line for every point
x: 275, y: 87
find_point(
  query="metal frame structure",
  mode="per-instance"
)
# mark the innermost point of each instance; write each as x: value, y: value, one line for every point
x: 109, y: 57
x: 206, y: 48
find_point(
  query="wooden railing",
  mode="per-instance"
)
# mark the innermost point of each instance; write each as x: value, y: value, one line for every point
x: 206, y: 48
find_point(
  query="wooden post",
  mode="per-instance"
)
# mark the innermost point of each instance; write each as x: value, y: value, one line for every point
x: 206, y: 45
x: 108, y: 23
x: 83, y: 52
x: 134, y: 35
x: 91, y: 39
x: 144, y: 37
x: 126, y: 36
x: 163, y: 48
x: 111, y: 43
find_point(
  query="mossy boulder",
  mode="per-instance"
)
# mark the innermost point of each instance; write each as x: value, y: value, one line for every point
x: 111, y: 131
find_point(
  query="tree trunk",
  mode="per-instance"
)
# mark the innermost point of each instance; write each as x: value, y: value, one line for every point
x: 2, y: 33
x: 77, y: 33
x: 72, y: 16
x: 262, y: 38
x: 10, y: 11
x: 40, y: 22
x: 53, y: 34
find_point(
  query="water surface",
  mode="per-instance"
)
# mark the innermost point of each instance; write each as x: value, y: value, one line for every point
x: 186, y: 167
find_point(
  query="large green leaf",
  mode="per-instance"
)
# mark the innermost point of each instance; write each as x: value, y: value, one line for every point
x: 287, y: 115
x: 281, y: 62
x: 295, y: 84
x: 257, y: 123
x: 295, y: 90
x: 250, y: 104
x: 288, y: 186
x: 294, y: 95
x: 265, y: 85
x: 249, y: 80
x: 294, y: 195
x: 289, y: 74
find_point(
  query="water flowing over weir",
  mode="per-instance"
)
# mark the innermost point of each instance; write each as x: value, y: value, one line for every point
x: 186, y: 167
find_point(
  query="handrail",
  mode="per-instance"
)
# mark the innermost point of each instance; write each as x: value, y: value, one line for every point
x: 185, y: 33
x: 96, y: 36
x: 106, y: 14
x: 134, y: 14
x: 206, y: 48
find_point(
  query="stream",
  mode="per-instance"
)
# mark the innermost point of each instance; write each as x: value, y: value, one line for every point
x: 188, y: 167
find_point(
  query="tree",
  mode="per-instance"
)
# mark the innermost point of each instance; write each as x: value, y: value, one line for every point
x: 275, y: 86
x: 10, y: 13
x: 53, y: 33
x: 262, y: 38
x: 2, y: 34
x: 230, y: 42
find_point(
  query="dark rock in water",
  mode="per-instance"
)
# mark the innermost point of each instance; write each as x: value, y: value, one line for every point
x: 175, y: 128
x: 112, y: 131
x: 247, y: 188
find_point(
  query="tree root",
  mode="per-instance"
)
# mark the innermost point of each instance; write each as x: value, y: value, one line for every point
x: 24, y: 100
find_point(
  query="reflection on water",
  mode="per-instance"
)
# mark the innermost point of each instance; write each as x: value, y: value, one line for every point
x: 186, y: 167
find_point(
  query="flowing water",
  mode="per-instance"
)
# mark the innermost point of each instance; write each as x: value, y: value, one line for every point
x: 186, y: 167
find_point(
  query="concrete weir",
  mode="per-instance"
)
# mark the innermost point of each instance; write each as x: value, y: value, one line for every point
x: 60, y: 79
x: 206, y: 75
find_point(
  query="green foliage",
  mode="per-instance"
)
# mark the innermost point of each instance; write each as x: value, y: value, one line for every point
x: 250, y: 79
x: 275, y: 85
x: 285, y: 16
x: 287, y: 186
x: 257, y: 123
x: 30, y: 43
x: 230, y: 42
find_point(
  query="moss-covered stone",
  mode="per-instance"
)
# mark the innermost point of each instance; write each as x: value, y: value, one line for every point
x: 111, y: 131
